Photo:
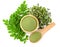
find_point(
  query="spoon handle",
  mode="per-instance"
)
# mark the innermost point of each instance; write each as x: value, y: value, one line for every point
x: 43, y: 31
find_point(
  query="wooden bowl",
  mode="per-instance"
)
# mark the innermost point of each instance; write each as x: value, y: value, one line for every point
x: 29, y: 23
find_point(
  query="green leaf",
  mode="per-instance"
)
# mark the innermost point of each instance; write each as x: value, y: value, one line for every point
x: 13, y: 24
x: 6, y: 22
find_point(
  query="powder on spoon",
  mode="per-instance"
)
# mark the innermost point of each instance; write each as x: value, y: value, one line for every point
x: 35, y: 37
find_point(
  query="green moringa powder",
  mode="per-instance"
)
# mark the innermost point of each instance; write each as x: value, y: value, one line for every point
x: 35, y: 36
x: 29, y: 23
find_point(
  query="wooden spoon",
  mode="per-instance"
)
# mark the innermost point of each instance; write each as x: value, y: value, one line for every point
x: 36, y: 36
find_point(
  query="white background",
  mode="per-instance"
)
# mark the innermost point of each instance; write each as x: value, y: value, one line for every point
x: 50, y: 39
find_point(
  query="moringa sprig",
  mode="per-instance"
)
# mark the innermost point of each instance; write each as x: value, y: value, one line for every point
x: 13, y: 24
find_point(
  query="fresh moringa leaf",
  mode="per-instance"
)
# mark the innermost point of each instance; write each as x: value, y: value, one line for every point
x: 13, y: 24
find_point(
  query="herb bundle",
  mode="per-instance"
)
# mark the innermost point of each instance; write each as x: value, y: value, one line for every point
x: 13, y: 24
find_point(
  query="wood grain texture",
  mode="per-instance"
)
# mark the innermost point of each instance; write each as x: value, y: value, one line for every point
x: 43, y: 31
